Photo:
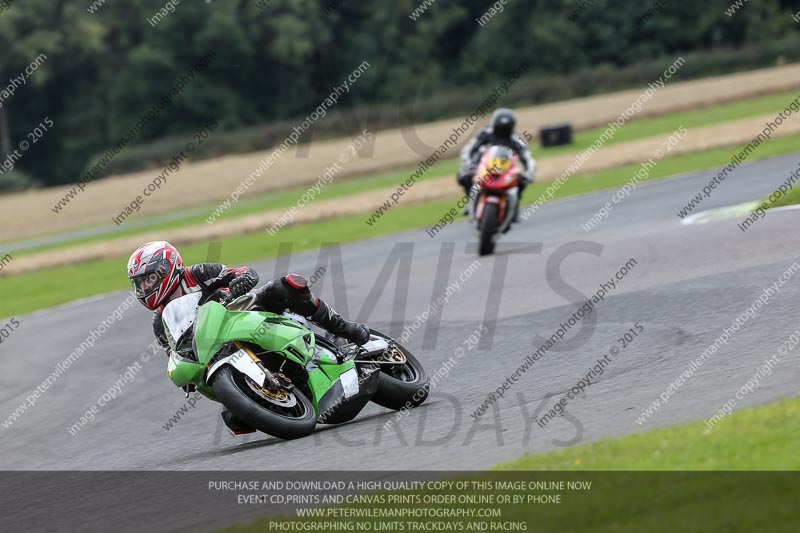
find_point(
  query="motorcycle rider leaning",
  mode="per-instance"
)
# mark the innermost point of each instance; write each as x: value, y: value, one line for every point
x: 499, y: 131
x: 157, y: 276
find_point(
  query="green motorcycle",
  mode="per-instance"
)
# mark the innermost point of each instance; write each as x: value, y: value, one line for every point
x: 272, y: 372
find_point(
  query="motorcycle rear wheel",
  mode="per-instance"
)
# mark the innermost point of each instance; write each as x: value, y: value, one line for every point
x: 399, y: 386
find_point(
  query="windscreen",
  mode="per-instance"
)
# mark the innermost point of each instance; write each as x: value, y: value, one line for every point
x: 179, y: 316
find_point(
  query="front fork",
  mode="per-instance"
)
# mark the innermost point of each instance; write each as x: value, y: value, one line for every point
x: 508, y: 206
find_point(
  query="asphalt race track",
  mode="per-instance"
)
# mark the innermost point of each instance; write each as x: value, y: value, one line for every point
x: 689, y: 283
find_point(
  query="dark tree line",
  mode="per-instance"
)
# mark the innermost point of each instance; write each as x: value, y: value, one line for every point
x: 274, y: 60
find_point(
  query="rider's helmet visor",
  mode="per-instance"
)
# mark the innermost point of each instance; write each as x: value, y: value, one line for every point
x: 149, y: 282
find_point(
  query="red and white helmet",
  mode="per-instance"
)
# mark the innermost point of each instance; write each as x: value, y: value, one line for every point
x: 155, y: 271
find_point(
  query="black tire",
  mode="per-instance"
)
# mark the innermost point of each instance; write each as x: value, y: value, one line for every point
x: 488, y: 229
x: 401, y: 385
x: 230, y: 388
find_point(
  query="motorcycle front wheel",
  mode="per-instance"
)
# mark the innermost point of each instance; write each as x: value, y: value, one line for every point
x: 488, y: 228
x: 287, y: 414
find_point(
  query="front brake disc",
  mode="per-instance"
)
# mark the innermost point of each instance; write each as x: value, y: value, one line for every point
x: 281, y: 397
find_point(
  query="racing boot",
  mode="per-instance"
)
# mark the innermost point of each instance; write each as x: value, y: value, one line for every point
x: 464, y: 178
x: 235, y: 426
x: 333, y: 322
x: 520, y: 189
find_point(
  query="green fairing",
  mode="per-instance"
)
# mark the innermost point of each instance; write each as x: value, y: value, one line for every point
x: 215, y: 326
x: 183, y: 372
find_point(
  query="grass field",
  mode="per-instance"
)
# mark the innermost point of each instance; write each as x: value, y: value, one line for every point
x: 634, y: 130
x: 57, y: 286
x: 759, y: 438
x: 684, y: 478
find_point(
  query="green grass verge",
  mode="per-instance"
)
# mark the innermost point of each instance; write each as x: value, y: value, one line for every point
x: 670, y: 166
x: 666, y: 124
x: 760, y: 438
x: 633, y: 130
x: 56, y: 286
x: 278, y: 200
x: 683, y: 478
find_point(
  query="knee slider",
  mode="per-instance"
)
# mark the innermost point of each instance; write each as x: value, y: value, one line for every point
x: 296, y: 281
x: 299, y: 295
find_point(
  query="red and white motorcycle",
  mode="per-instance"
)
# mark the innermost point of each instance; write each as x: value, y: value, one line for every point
x: 495, y: 195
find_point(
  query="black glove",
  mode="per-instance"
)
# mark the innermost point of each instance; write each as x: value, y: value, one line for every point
x: 242, y: 284
x: 219, y: 296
